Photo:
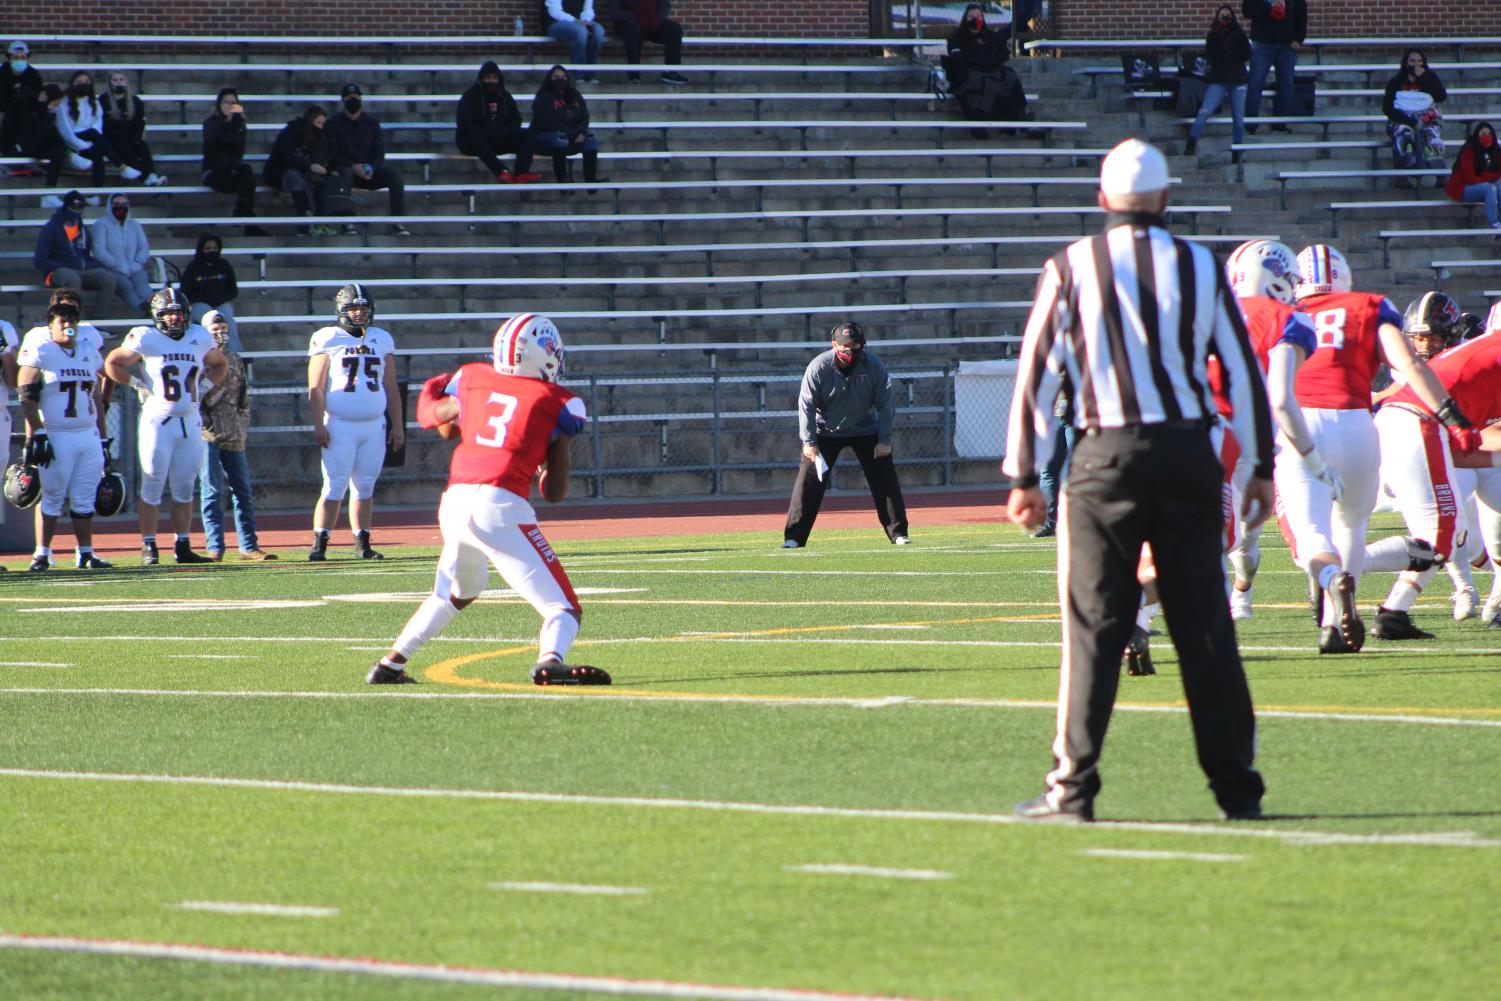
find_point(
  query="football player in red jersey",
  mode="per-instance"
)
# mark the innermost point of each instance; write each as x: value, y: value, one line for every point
x: 513, y: 418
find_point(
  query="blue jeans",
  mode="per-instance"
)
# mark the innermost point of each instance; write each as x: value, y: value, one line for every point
x: 1215, y: 95
x: 220, y: 466
x: 1050, y: 478
x: 583, y: 43
x: 1266, y: 56
x: 557, y: 142
x: 1487, y: 194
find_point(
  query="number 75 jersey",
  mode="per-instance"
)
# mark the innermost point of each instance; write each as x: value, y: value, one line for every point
x: 173, y: 367
x: 1347, y: 356
x: 506, y: 423
x: 355, y: 388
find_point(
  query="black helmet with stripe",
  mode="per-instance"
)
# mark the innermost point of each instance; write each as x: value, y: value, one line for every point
x: 347, y: 300
x: 169, y: 311
x: 23, y: 484
x: 1432, y: 323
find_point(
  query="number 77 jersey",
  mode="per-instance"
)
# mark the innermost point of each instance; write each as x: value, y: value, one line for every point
x: 173, y: 367
x: 506, y: 423
x: 354, y: 388
x: 1347, y: 353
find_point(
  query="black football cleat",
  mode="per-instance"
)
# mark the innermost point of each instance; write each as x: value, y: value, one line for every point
x: 1316, y: 602
x: 1395, y: 625
x: 362, y: 548
x: 552, y: 672
x: 1331, y: 641
x: 149, y: 557
x: 1039, y: 811
x: 1240, y: 811
x: 40, y: 563
x: 319, y: 552
x: 380, y: 674
x: 1139, y: 655
x: 89, y: 561
x: 182, y: 552
x: 1346, y: 615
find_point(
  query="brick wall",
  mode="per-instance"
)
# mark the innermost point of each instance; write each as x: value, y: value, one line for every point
x: 1329, y: 18
x: 836, y: 18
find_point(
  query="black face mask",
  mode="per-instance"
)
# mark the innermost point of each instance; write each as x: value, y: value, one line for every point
x: 118, y: 91
x: 558, y: 85
x: 120, y: 212
x: 85, y: 90
x: 352, y: 104
x: 491, y: 86
x: 209, y: 254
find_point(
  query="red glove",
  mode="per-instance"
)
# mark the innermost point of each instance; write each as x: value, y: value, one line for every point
x: 1463, y: 441
x: 429, y: 398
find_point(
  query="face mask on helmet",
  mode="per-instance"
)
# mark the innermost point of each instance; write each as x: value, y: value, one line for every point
x: 1432, y: 323
x: 1262, y: 268
x: 529, y: 346
x: 353, y: 309
x: 173, y: 322
x: 1322, y: 270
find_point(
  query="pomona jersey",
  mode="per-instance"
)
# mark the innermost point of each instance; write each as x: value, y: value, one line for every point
x: 87, y: 334
x: 1471, y: 374
x: 506, y: 423
x: 355, y: 390
x: 1338, y: 375
x: 1269, y: 324
x: 173, y: 368
x: 67, y: 383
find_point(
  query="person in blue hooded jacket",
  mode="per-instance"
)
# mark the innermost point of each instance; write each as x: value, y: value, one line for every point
x: 64, y: 258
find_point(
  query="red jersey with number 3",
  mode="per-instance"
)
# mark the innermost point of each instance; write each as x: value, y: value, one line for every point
x: 1471, y: 374
x: 1338, y: 375
x: 506, y: 423
x: 1269, y: 323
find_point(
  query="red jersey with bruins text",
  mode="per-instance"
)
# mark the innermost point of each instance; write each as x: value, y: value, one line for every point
x: 1471, y: 374
x: 1269, y: 323
x: 1338, y: 375
x: 506, y: 423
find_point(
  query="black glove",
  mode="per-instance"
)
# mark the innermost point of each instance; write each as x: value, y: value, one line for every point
x: 38, y: 450
x: 1450, y: 415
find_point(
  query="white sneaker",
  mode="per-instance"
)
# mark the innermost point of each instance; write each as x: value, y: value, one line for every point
x: 790, y: 544
x: 155, y: 180
x: 1240, y: 603
x: 1491, y: 612
x: 1466, y: 604
x: 900, y: 540
x: 78, y: 162
x: 52, y: 201
x: 130, y: 173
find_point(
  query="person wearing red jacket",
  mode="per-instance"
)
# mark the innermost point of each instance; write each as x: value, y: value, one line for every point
x: 1477, y: 173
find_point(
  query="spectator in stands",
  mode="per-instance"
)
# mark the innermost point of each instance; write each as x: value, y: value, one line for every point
x: 209, y: 283
x: 1276, y: 27
x: 637, y: 21
x: 120, y: 244
x: 560, y: 126
x: 1477, y: 173
x: 1413, y: 122
x: 80, y: 122
x: 64, y: 258
x: 489, y: 124
x: 17, y: 76
x: 31, y: 130
x: 1228, y: 49
x: 360, y: 154
x: 125, y: 128
x: 572, y: 21
x: 987, y: 89
x: 225, y: 414
x: 224, y: 166
x: 299, y: 165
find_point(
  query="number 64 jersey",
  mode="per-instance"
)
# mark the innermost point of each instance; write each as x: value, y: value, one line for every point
x: 173, y: 367
x: 506, y: 423
x: 355, y: 388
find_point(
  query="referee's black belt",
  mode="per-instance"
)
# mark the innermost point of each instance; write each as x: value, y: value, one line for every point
x: 1155, y: 428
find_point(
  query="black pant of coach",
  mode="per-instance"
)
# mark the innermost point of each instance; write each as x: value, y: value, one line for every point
x: 880, y: 474
x: 1158, y: 484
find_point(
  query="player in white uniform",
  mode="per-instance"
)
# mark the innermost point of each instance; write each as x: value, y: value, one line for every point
x: 356, y: 410
x: 8, y: 344
x: 176, y: 355
x: 59, y: 390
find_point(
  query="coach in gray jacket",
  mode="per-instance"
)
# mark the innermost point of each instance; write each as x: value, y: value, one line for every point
x: 845, y: 402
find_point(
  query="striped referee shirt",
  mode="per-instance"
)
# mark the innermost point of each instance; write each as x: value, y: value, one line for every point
x: 1128, y: 319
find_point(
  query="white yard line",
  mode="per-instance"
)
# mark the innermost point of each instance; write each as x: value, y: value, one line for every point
x: 31, y: 663
x: 209, y: 656
x: 266, y: 910
x: 1165, y: 856
x: 1436, y: 839
x: 579, y: 889
x: 868, y: 870
x: 429, y: 972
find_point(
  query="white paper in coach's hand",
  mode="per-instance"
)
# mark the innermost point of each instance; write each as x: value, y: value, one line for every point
x: 820, y: 466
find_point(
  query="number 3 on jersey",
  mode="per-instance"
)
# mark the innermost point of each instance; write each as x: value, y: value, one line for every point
x: 498, y: 421
x: 1329, y: 328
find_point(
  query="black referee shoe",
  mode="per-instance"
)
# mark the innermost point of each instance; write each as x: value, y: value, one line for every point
x: 1139, y: 655
x: 1039, y: 811
x: 1240, y: 811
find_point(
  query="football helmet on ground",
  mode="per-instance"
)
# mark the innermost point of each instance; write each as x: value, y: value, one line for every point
x: 23, y: 485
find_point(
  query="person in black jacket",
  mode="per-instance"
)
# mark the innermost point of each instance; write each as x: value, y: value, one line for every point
x: 986, y: 88
x: 489, y: 124
x: 209, y: 283
x: 1276, y: 26
x: 638, y: 21
x: 125, y: 128
x: 360, y: 154
x: 224, y: 166
x: 560, y: 126
x: 1410, y: 104
x: 17, y: 76
x: 1228, y: 49
x: 31, y: 130
x: 299, y: 164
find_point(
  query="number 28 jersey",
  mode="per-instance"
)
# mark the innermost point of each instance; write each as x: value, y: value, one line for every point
x: 67, y: 383
x: 1338, y: 375
x: 355, y: 389
x: 173, y: 367
x: 506, y: 423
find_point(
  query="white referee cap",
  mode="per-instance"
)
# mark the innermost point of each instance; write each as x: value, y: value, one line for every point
x: 1133, y: 168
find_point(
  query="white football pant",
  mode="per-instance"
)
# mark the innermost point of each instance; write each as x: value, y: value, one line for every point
x: 1314, y: 521
x: 354, y: 456
x: 171, y: 452
x: 73, y: 474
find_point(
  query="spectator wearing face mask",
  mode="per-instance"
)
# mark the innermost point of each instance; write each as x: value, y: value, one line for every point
x: 1277, y: 28
x: 572, y: 21
x: 299, y: 165
x: 1476, y: 177
x: 986, y: 88
x: 360, y: 154
x: 1228, y: 48
x: 845, y: 402
x: 224, y: 166
x: 560, y: 126
x: 17, y: 75
x: 209, y: 283
x: 225, y: 414
x: 80, y: 122
x: 30, y: 130
x: 64, y: 257
x: 490, y: 124
x: 125, y: 128
x: 638, y: 21
x: 120, y: 244
x: 1413, y: 122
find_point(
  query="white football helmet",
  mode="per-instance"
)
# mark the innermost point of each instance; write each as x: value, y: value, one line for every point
x: 1263, y: 267
x: 529, y: 345
x: 1322, y: 270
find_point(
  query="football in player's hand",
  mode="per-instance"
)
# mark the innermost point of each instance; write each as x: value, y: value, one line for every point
x: 449, y: 430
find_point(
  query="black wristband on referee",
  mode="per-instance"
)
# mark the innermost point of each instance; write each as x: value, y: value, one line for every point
x: 1026, y: 481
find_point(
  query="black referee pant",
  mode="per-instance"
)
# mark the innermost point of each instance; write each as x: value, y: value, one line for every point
x: 1158, y: 484
x: 880, y: 474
